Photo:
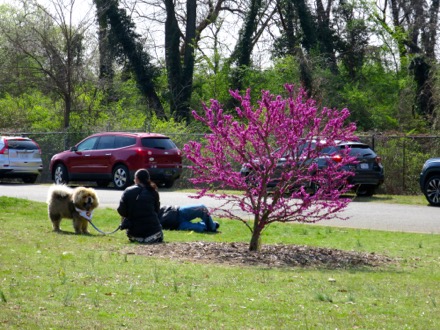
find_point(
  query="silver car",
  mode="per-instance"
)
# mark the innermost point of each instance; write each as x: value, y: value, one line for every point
x: 20, y: 157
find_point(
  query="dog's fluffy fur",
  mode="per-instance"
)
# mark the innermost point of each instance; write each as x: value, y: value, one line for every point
x: 62, y: 203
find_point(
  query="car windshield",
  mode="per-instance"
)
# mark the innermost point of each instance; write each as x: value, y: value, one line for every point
x: 22, y: 145
x: 158, y: 143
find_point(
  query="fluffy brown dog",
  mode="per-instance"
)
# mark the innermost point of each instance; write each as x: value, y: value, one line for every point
x: 76, y: 204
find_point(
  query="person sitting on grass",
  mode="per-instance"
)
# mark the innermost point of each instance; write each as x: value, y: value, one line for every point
x: 138, y: 207
x: 179, y: 218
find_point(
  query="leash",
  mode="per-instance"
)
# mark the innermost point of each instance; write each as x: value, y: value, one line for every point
x: 99, y: 230
x: 88, y: 216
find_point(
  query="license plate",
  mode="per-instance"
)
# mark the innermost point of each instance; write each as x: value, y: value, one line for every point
x: 23, y: 155
x: 364, y: 166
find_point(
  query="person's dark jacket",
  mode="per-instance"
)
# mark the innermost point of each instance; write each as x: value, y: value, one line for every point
x: 169, y: 217
x: 140, y: 206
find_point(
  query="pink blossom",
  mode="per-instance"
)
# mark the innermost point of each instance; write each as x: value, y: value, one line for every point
x: 277, y: 129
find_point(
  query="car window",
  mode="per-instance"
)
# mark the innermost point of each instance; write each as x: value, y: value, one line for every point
x: 22, y: 144
x: 318, y: 147
x: 87, y: 144
x: 328, y: 150
x: 306, y: 146
x: 360, y: 150
x: 106, y: 142
x: 124, y: 141
x: 158, y: 143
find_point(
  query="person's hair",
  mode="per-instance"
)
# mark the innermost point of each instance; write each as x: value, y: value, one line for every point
x: 144, y: 178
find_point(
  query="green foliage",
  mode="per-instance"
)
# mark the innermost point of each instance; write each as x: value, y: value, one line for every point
x: 125, y: 109
x: 403, y: 159
x: 380, y: 100
x: 372, y: 82
x: 210, y: 83
x: 30, y: 112
x: 215, y: 84
x: 285, y: 71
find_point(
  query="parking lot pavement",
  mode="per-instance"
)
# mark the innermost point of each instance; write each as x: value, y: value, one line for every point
x: 362, y: 215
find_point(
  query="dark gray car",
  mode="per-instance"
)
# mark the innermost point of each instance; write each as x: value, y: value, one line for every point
x: 368, y: 170
x: 430, y: 181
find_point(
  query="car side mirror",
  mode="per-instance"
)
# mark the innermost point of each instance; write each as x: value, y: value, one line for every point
x: 74, y: 148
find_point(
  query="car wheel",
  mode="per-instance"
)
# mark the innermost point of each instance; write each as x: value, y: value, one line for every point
x: 121, y: 177
x: 60, y: 174
x: 30, y: 179
x: 250, y: 179
x: 365, y: 190
x: 432, y: 190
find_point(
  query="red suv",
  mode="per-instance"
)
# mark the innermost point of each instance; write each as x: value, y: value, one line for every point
x: 115, y: 157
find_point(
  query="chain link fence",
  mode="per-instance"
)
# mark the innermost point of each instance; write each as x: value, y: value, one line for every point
x: 402, y: 156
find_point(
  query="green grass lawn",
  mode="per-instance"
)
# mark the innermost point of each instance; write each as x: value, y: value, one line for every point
x: 65, y: 281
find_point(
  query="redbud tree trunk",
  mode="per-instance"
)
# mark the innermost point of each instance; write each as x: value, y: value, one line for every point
x: 255, y: 243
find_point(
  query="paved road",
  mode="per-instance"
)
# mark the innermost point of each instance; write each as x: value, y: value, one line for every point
x: 364, y: 215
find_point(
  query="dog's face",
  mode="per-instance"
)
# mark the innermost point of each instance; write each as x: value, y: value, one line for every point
x: 88, y: 203
x: 85, y: 199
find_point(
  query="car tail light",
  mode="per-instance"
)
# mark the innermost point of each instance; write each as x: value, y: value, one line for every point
x: 5, y: 150
x: 378, y: 160
x: 39, y: 149
x: 144, y: 153
x: 141, y: 152
x: 337, y: 158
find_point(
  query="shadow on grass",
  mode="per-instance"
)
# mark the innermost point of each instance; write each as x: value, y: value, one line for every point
x: 71, y: 233
x: 63, y: 232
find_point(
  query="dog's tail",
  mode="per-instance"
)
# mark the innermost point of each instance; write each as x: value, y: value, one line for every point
x: 58, y: 191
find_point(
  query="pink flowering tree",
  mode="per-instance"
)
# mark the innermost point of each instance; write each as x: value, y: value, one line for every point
x: 280, y: 145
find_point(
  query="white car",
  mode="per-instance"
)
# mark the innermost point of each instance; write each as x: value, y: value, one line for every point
x: 20, y: 157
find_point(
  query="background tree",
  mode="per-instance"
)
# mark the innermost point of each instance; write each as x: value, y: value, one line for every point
x: 413, y: 26
x: 292, y: 42
x: 385, y: 73
x: 259, y: 137
x: 126, y: 44
x: 243, y: 48
x: 106, y: 53
x: 180, y: 50
x: 52, y: 47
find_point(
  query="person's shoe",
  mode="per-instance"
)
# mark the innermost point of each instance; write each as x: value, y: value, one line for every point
x: 213, y: 230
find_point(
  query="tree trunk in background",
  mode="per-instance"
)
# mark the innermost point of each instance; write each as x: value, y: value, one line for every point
x: 183, y: 111
x: 309, y: 40
x: 326, y: 36
x: 122, y: 29
x: 243, y: 49
x: 180, y: 70
x: 106, y: 56
x: 417, y: 25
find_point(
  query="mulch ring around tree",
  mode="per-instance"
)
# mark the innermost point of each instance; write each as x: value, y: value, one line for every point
x: 277, y: 255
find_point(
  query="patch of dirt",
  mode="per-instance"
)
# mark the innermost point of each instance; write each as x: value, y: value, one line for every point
x: 278, y: 255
